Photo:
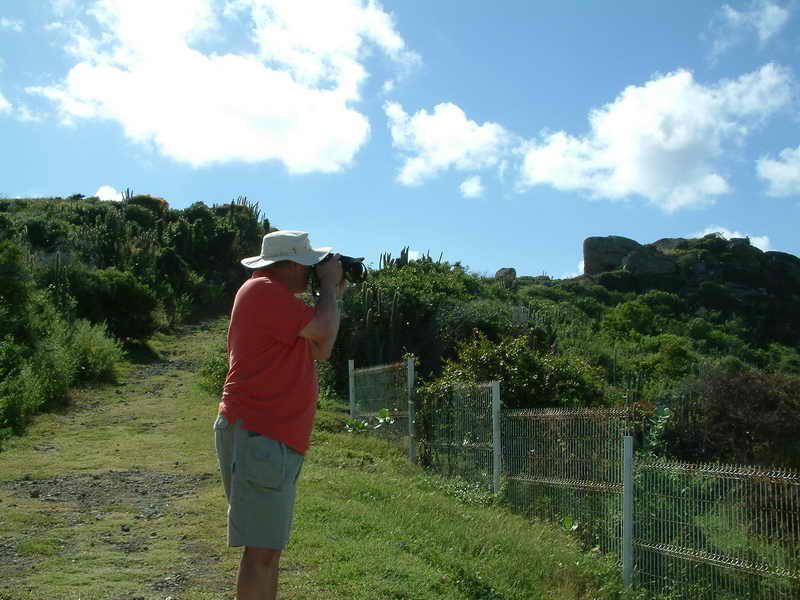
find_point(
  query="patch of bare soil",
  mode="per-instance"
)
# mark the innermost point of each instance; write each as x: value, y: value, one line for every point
x: 146, y: 493
x: 141, y: 489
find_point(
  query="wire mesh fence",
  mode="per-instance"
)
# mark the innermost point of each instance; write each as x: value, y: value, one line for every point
x: 698, y: 531
x: 717, y: 531
x: 566, y: 466
x: 459, y: 440
x: 379, y: 396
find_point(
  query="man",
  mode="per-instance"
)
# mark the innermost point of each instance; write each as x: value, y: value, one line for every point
x: 270, y: 397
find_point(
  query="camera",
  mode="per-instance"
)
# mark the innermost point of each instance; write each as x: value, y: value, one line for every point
x: 354, y: 270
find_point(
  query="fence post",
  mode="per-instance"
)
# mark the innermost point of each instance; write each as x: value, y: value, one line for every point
x: 351, y: 368
x: 412, y: 413
x: 497, y: 450
x: 627, y: 512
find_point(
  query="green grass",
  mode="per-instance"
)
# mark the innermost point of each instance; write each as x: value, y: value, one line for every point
x: 151, y: 521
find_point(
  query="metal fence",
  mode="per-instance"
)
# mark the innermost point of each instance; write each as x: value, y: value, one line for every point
x: 567, y: 466
x: 717, y: 531
x: 694, y: 531
x: 383, y: 397
x: 462, y: 438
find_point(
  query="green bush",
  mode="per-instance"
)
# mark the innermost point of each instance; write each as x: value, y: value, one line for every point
x: 115, y: 297
x: 213, y: 372
x: 529, y: 375
x: 738, y: 416
x: 94, y: 352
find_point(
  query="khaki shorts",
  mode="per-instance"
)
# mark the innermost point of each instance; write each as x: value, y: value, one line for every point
x: 260, y: 476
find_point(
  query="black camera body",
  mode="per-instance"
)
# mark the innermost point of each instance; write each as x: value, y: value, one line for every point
x: 354, y: 270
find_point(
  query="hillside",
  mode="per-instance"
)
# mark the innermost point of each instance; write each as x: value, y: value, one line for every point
x: 705, y: 329
x: 118, y: 497
x: 704, y: 332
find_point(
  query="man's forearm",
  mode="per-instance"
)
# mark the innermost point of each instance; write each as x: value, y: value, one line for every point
x: 328, y: 314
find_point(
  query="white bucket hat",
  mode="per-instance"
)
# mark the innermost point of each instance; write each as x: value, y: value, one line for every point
x: 286, y: 245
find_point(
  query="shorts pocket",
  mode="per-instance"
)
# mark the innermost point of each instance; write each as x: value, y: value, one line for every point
x: 265, y: 461
x: 221, y: 424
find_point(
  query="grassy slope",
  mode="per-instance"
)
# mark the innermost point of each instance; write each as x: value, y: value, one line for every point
x: 118, y: 497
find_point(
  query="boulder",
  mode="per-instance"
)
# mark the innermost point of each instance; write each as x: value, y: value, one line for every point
x: 649, y: 261
x: 735, y: 243
x: 670, y: 244
x: 506, y: 274
x: 601, y: 254
x: 782, y: 272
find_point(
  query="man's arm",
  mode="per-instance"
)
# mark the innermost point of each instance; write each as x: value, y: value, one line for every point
x: 324, y: 327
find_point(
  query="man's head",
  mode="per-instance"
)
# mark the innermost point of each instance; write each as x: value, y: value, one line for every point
x: 288, y: 256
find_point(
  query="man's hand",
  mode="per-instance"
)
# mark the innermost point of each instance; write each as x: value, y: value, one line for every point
x: 330, y: 272
x: 324, y: 327
x: 344, y: 284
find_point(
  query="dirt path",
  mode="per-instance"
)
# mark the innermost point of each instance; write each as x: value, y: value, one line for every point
x: 117, y: 482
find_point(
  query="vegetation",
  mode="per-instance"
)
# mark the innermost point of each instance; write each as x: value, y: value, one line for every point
x: 119, y: 498
x: 594, y: 341
x: 87, y: 286
x: 82, y: 280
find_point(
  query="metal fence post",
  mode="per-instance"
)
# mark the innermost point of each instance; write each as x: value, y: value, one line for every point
x: 412, y: 413
x: 627, y: 512
x: 351, y: 369
x: 497, y: 450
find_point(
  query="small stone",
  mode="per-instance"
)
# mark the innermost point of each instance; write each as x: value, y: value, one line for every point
x: 35, y: 493
x: 125, y: 527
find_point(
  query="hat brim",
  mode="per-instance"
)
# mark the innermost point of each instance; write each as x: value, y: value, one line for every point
x: 309, y: 258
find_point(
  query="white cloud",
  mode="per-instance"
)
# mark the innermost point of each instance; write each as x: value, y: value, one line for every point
x: 759, y: 241
x: 414, y: 255
x: 472, y: 187
x: 731, y: 27
x: 26, y: 115
x: 783, y: 174
x: 5, y: 105
x: 62, y: 7
x: 291, y: 99
x: 108, y: 193
x: 12, y: 24
x: 577, y: 273
x: 659, y: 140
x: 443, y: 139
x: 20, y: 112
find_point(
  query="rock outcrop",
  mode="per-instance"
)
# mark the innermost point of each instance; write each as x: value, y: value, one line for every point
x: 678, y: 263
x: 601, y: 254
x: 506, y: 274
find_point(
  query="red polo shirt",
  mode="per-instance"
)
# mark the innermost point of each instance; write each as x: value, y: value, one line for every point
x: 271, y: 384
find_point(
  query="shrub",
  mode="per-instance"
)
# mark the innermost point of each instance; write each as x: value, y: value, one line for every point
x: 15, y: 290
x: 739, y: 416
x: 214, y: 371
x: 94, y: 352
x: 618, y: 281
x: 630, y: 317
x: 456, y: 323
x: 529, y: 375
x: 117, y: 298
x: 673, y: 356
x: 157, y: 206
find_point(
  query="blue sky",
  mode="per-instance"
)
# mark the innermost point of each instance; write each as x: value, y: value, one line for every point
x: 497, y: 134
